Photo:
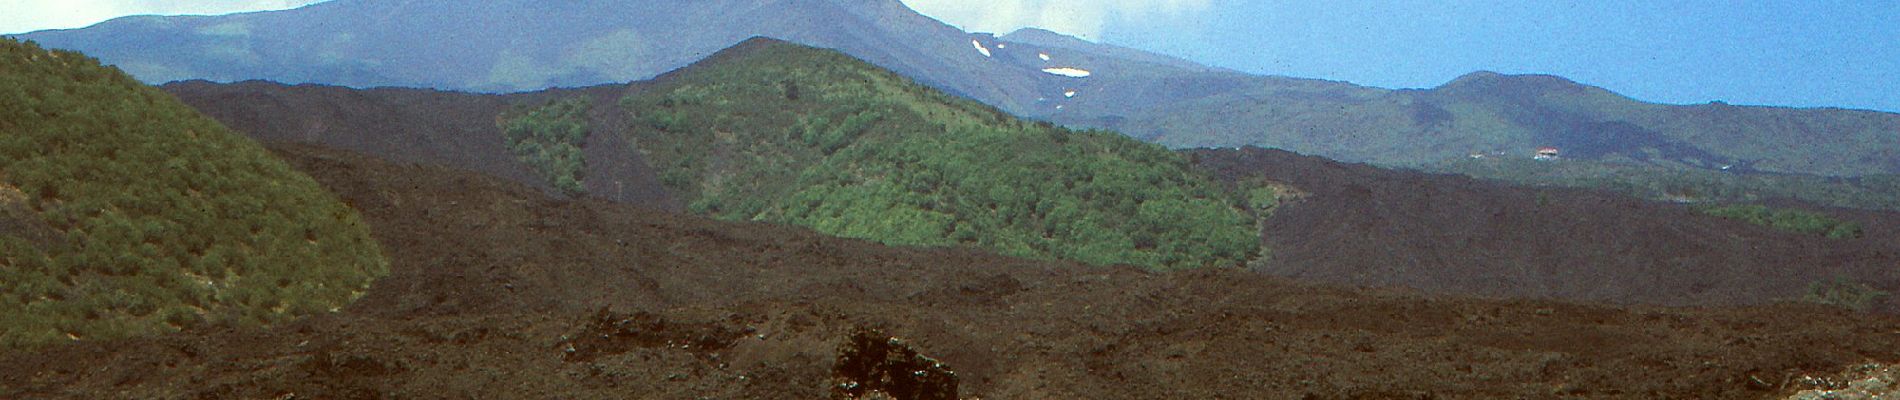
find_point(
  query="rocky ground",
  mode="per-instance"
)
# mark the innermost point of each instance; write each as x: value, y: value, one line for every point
x: 499, y: 291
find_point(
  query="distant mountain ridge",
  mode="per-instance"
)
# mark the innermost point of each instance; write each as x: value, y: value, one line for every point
x: 1487, y: 114
x: 522, y: 45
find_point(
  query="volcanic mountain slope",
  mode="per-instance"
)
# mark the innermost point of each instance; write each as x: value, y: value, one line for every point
x: 1512, y: 115
x: 774, y: 131
x: 1360, y: 225
x: 522, y: 45
x: 417, y: 125
x: 493, y: 283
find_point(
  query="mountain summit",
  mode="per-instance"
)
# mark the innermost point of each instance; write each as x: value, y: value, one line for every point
x: 522, y: 45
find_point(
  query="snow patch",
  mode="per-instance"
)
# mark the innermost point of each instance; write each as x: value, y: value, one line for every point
x: 1002, y: 45
x: 980, y: 48
x: 1069, y: 94
x: 1068, y: 72
x: 1043, y: 56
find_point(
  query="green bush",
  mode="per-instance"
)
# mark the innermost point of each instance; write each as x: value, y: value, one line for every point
x: 1791, y: 220
x: 136, y: 215
x: 817, y: 139
x: 549, y: 138
x: 1844, y: 293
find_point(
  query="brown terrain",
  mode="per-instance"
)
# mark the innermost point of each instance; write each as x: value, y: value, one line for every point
x: 501, y: 291
x: 1366, y: 226
x: 1357, y: 226
x: 425, y: 126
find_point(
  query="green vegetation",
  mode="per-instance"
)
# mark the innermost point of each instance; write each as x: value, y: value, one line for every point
x: 1792, y: 220
x: 549, y: 138
x: 1844, y: 293
x: 124, y: 212
x: 1685, y: 184
x: 778, y: 132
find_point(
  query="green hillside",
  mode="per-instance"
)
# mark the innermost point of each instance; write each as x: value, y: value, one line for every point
x: 123, y: 212
x: 772, y: 131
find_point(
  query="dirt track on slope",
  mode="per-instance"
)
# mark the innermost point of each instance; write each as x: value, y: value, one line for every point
x: 494, y: 282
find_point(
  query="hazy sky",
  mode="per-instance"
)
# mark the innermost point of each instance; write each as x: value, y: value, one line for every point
x: 1771, y: 52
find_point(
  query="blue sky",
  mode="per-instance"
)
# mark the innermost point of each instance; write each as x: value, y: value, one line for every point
x: 1767, y: 52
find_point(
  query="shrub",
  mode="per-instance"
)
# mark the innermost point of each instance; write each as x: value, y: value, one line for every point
x: 1844, y: 293
x: 549, y: 138
x: 142, y: 216
x: 1792, y: 220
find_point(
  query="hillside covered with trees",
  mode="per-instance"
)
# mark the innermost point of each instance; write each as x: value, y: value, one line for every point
x: 124, y: 212
x: 774, y: 131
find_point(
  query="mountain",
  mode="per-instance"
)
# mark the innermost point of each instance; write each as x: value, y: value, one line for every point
x: 123, y: 213
x: 1491, y: 115
x: 771, y: 131
x: 774, y: 131
x: 523, y: 45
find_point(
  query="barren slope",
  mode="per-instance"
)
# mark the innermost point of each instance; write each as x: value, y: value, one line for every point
x: 489, y: 278
x: 1360, y: 225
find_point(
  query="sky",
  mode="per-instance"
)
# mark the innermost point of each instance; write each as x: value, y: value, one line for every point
x: 1805, y: 53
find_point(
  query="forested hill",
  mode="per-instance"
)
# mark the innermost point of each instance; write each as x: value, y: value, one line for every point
x: 123, y: 212
x: 774, y: 131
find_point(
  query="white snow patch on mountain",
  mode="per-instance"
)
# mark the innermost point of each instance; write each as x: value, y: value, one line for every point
x: 1044, y: 56
x: 980, y: 48
x: 1068, y: 72
x: 1069, y: 94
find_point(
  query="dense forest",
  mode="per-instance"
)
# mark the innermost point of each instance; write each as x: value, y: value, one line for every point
x: 124, y: 212
x: 779, y: 132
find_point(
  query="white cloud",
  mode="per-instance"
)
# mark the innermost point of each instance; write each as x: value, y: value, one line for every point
x: 1084, y: 18
x: 31, y: 15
